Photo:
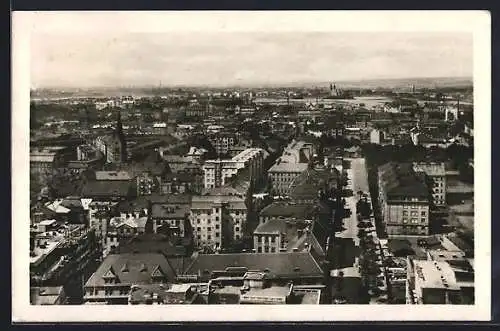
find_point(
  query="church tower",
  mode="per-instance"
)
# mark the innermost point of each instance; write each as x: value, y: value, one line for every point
x: 119, y: 142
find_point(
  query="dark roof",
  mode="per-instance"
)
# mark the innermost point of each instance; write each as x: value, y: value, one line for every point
x: 132, y: 268
x: 150, y: 243
x: 107, y: 188
x: 72, y: 203
x: 307, y: 184
x: 169, y: 211
x: 281, y: 265
x: 401, y: 180
x: 400, y: 246
x: 136, y: 204
x: 293, y: 210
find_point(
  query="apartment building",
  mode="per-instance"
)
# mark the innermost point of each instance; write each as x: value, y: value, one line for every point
x: 290, y: 227
x: 223, y: 142
x: 171, y: 216
x: 218, y: 218
x: 218, y: 172
x: 436, y: 172
x: 404, y: 198
x: 282, y: 174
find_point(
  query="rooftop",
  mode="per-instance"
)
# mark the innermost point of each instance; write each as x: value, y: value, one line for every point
x: 150, y: 243
x: 131, y: 268
x: 46, y: 295
x: 165, y: 211
x: 433, y: 274
x: 289, y: 265
x: 288, y: 167
x: 401, y: 180
x: 107, y: 188
x: 112, y: 175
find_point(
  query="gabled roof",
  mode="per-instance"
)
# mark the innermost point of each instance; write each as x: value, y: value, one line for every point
x: 138, y: 271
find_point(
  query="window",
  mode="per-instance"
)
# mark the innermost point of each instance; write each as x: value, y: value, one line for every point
x: 423, y: 220
x: 414, y: 220
x: 405, y: 213
x: 216, y: 218
x: 273, y: 239
x: 198, y: 221
x: 209, y: 229
x: 405, y: 220
x: 413, y: 213
x: 209, y: 237
x: 259, y: 249
x: 216, y: 210
x: 423, y: 213
x: 217, y: 235
x: 273, y: 249
x: 237, y: 237
x: 108, y: 291
x: 208, y: 221
x: 413, y: 207
x: 216, y: 226
x: 237, y: 229
x: 198, y: 229
x: 266, y: 249
x: 199, y: 237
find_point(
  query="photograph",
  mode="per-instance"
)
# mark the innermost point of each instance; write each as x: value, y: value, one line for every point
x: 258, y: 160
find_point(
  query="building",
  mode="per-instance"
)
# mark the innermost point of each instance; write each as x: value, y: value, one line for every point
x: 64, y: 256
x: 114, y: 147
x: 404, y: 198
x: 436, y: 172
x: 282, y: 174
x: 46, y: 159
x: 157, y: 243
x: 99, y: 216
x: 223, y: 142
x: 298, y: 152
x: 376, y: 136
x: 218, y: 218
x: 47, y: 295
x: 109, y: 190
x: 218, y: 172
x: 257, y: 288
x: 300, y: 268
x: 314, y: 185
x: 113, y: 280
x: 170, y: 218
x: 164, y: 294
x: 291, y: 227
x: 86, y: 153
x: 440, y: 282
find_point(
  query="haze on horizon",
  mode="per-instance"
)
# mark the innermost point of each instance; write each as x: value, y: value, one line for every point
x: 243, y: 58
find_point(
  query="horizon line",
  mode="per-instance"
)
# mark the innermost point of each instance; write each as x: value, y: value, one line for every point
x: 248, y: 85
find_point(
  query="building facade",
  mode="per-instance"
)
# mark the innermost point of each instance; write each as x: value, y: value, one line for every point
x: 437, y: 175
x: 217, y: 220
x: 218, y: 172
x: 404, y: 199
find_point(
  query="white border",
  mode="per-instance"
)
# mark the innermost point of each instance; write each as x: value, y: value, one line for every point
x: 476, y: 22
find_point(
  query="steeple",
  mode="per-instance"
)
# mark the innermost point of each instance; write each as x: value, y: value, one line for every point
x: 120, y: 136
x: 119, y: 127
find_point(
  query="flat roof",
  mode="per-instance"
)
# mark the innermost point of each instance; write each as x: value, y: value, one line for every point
x: 434, y: 274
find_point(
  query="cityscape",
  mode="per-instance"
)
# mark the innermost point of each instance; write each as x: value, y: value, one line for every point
x: 294, y: 190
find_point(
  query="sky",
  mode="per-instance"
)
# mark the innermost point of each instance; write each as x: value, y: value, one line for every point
x: 114, y: 59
